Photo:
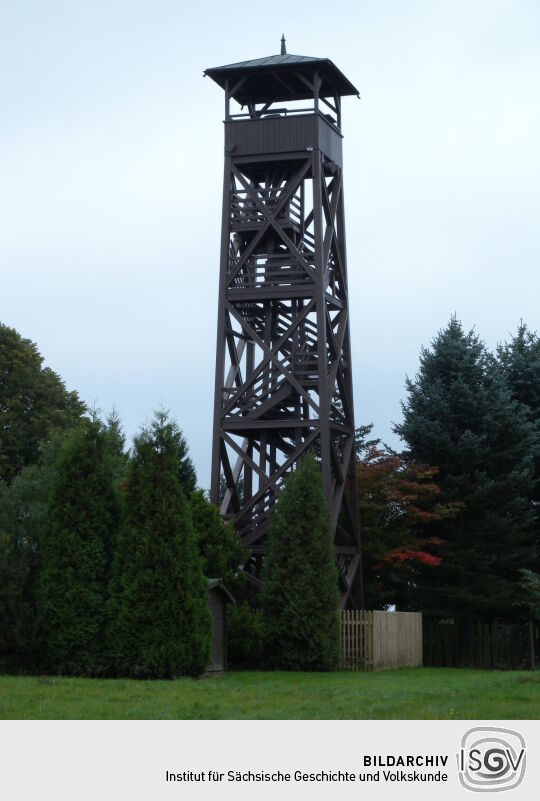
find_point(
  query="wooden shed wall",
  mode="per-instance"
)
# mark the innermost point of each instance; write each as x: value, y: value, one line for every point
x: 218, y: 609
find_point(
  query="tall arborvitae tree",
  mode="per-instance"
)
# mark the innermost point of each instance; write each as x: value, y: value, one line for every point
x: 300, y: 596
x: 219, y: 544
x: 33, y: 403
x: 186, y: 468
x: 519, y: 361
x: 460, y: 416
x: 160, y: 621
x: 117, y: 444
x: 82, y: 522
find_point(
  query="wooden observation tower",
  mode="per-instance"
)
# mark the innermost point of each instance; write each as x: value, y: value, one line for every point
x: 283, y: 364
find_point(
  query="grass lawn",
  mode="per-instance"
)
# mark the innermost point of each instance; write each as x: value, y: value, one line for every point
x: 430, y: 693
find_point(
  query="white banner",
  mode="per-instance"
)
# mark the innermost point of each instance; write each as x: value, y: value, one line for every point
x: 274, y: 759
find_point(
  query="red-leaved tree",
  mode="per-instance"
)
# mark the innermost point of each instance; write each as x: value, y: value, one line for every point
x: 399, y: 507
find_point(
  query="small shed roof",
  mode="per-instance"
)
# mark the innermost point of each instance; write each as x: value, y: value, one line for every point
x: 217, y: 584
x: 279, y: 78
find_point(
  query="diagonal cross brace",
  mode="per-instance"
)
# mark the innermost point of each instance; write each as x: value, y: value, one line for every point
x: 284, y: 199
x: 271, y: 482
x: 270, y: 218
x: 278, y: 345
x: 273, y: 358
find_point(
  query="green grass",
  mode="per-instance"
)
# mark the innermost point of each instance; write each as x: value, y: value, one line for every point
x: 428, y: 693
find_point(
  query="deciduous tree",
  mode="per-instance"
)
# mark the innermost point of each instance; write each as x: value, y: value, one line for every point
x: 33, y: 402
x: 399, y: 506
x: 23, y: 508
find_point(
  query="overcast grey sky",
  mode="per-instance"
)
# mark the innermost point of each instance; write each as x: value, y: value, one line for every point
x: 111, y: 172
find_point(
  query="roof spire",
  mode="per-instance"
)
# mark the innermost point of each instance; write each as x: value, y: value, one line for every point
x: 283, y: 46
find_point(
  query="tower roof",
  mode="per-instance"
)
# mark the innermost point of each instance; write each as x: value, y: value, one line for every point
x: 280, y: 78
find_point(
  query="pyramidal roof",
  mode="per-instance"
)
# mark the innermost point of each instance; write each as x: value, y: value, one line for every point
x: 280, y: 78
x: 272, y: 61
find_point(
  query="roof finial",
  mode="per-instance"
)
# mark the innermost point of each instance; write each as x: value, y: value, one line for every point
x: 283, y: 47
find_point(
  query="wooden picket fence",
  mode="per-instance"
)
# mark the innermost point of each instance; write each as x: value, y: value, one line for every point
x: 380, y: 640
x: 497, y: 645
x: 356, y: 640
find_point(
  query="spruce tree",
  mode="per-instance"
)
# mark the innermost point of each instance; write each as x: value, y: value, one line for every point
x: 82, y: 520
x: 160, y: 621
x: 519, y: 361
x: 300, y: 596
x: 460, y: 416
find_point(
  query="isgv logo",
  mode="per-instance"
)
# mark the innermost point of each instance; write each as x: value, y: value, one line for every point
x: 491, y: 759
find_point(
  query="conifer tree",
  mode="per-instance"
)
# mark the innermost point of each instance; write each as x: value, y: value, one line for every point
x: 519, y: 361
x: 117, y: 443
x: 300, y: 596
x: 160, y: 621
x: 82, y: 520
x: 186, y: 468
x: 460, y: 416
x: 219, y: 544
